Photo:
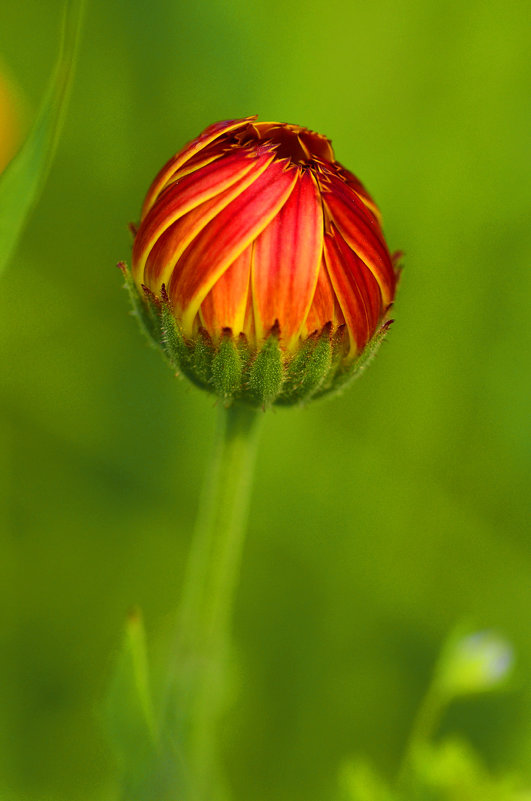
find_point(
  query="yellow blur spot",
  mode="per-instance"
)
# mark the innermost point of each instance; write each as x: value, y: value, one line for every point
x: 11, y: 119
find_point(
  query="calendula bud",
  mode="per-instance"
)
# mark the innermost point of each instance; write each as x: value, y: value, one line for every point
x: 260, y: 266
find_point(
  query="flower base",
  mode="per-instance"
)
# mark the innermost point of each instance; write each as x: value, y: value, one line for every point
x: 260, y: 376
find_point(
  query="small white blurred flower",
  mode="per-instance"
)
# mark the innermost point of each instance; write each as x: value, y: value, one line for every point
x: 477, y: 662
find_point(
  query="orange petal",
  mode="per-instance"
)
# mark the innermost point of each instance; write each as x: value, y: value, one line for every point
x: 286, y: 262
x: 211, y: 133
x: 361, y: 230
x: 356, y: 289
x: 226, y: 304
x: 324, y: 307
x: 220, y: 242
x: 184, y: 195
x: 360, y: 190
x: 293, y: 138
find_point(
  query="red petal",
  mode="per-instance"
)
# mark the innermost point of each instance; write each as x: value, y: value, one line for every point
x: 356, y: 288
x: 310, y: 144
x: 225, y: 305
x: 286, y: 262
x: 361, y: 230
x: 183, y: 195
x: 220, y: 242
x: 360, y: 190
x: 324, y: 308
x: 211, y: 133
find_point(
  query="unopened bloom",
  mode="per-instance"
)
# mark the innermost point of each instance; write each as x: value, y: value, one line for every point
x: 266, y: 259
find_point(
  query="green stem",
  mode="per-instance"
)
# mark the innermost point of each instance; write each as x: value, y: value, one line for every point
x: 424, y: 727
x: 210, y: 582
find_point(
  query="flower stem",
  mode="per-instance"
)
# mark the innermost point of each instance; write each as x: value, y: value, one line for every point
x: 424, y: 727
x: 208, y: 595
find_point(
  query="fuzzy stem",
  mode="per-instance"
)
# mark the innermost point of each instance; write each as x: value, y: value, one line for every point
x: 210, y: 582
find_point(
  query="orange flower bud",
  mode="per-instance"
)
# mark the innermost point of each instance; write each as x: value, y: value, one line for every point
x: 255, y: 232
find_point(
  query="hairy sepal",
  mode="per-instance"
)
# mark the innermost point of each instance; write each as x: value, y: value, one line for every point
x: 235, y: 372
x: 146, y: 309
x: 309, y: 369
x: 266, y: 373
x: 345, y: 375
x: 227, y: 368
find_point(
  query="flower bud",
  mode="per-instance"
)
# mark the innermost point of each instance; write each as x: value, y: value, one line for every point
x: 260, y: 266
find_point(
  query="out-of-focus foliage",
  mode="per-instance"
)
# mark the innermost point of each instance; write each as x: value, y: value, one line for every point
x: 11, y: 118
x: 445, y: 770
x: 379, y: 519
x: 24, y: 176
x: 450, y: 771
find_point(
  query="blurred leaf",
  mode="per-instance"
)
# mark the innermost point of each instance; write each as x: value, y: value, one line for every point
x: 448, y: 771
x: 359, y: 782
x: 24, y: 177
x: 451, y: 771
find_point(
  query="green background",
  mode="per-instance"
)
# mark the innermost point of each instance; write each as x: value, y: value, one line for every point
x: 380, y: 519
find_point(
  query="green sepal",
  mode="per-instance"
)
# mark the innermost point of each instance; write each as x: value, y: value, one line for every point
x: 201, y: 358
x: 296, y: 369
x: 309, y: 369
x: 246, y: 356
x: 235, y: 372
x: 151, y: 314
x: 346, y: 375
x: 227, y: 367
x: 318, y: 368
x: 266, y: 373
x: 146, y: 310
x: 340, y: 343
x: 172, y: 339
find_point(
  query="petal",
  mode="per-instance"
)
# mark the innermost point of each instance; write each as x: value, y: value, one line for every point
x: 361, y: 230
x: 197, y: 163
x: 222, y: 240
x: 211, y: 133
x: 360, y: 190
x: 181, y: 196
x: 294, y: 137
x: 286, y: 262
x: 324, y: 308
x: 356, y: 288
x: 225, y: 305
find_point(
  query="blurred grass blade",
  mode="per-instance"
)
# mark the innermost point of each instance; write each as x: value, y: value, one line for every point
x: 131, y: 719
x: 24, y: 177
x: 148, y: 767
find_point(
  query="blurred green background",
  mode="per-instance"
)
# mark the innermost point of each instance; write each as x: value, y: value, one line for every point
x: 380, y: 519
